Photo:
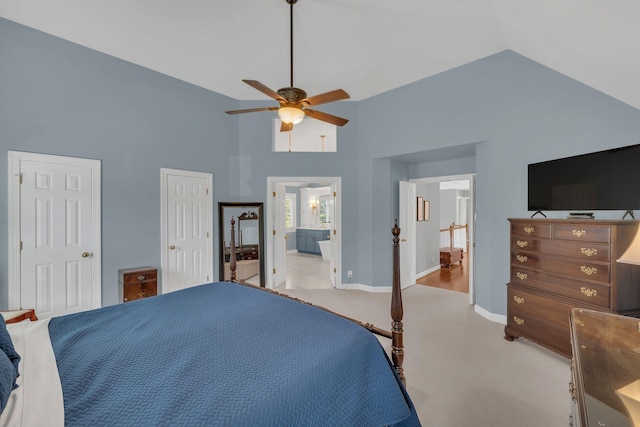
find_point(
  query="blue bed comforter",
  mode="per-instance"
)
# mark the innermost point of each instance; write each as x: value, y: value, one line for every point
x: 223, y: 354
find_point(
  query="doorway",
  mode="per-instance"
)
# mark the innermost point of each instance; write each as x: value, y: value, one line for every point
x: 303, y: 221
x: 455, y: 216
x: 55, y: 262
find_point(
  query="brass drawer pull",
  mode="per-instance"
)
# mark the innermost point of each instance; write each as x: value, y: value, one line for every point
x: 521, y: 276
x: 141, y: 277
x: 578, y: 233
x: 518, y: 320
x: 518, y: 299
x: 522, y: 243
x: 529, y: 230
x: 589, y: 292
x: 589, y: 251
x: 588, y: 270
x: 522, y: 258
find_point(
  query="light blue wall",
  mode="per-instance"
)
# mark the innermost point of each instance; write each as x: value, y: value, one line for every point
x: 523, y: 112
x: 59, y: 98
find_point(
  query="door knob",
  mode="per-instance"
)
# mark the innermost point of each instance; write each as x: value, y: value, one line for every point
x: 85, y: 254
x: 172, y: 247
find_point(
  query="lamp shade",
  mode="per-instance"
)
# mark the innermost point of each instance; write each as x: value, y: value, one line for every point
x: 291, y: 115
x: 632, y: 254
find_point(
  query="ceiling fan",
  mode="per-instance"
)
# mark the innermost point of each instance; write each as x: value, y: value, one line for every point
x: 294, y: 102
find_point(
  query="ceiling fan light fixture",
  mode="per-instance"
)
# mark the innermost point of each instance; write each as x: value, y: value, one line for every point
x: 291, y: 115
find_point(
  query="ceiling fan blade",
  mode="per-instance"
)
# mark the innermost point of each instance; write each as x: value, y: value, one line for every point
x: 323, y: 98
x: 325, y: 117
x: 262, y: 88
x: 286, y: 127
x: 252, y: 110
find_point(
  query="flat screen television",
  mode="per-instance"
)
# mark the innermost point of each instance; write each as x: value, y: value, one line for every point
x: 604, y: 180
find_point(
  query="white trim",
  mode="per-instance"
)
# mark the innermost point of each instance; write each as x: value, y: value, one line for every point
x: 14, y: 159
x: 429, y: 271
x: 164, y: 173
x: 369, y: 288
x: 269, y: 212
x: 498, y: 318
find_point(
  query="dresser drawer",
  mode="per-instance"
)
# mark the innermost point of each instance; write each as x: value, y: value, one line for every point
x: 565, y: 266
x: 531, y: 229
x: 581, y: 250
x: 588, y: 292
x: 539, y: 319
x: 584, y: 233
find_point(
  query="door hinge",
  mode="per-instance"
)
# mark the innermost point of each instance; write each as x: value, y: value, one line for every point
x: 206, y: 191
x: 207, y: 277
x: 335, y: 231
x: 20, y: 177
x: 207, y: 234
x: 334, y: 270
x: 274, y: 232
x: 274, y: 194
x: 21, y: 246
x: 334, y: 194
x: 274, y: 271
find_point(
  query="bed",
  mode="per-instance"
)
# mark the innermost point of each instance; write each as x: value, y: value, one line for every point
x: 223, y: 353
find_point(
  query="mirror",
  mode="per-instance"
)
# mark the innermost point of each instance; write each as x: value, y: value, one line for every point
x: 249, y: 241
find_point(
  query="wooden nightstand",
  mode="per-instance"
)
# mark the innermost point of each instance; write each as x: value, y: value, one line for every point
x: 15, y: 316
x: 137, y: 283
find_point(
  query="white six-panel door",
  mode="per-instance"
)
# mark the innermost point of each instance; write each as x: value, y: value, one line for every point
x: 187, y: 254
x: 54, y: 233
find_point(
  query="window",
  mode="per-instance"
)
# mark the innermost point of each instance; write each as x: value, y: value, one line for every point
x: 290, y: 212
x: 307, y: 136
x: 324, y: 210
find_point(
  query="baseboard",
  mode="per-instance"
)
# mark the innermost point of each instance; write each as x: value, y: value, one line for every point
x: 368, y: 288
x: 292, y: 251
x: 498, y: 318
x: 429, y: 271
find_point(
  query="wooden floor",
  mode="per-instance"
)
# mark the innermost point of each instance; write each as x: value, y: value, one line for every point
x: 455, y: 278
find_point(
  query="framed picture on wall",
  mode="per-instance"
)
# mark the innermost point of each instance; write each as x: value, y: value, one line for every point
x: 426, y: 210
x: 420, y: 209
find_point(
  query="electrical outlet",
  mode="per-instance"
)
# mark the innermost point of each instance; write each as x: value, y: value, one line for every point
x: 349, y: 274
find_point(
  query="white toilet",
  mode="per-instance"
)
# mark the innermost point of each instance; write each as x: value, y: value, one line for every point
x: 325, y: 249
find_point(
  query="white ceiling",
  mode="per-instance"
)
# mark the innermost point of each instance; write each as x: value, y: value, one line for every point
x: 365, y: 47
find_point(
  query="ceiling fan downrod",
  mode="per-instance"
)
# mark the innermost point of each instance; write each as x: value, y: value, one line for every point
x: 291, y: 3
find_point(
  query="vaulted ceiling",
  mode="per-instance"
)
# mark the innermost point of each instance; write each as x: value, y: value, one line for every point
x: 365, y: 47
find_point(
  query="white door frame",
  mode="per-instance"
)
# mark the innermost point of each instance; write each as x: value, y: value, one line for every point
x: 164, y: 226
x: 472, y: 222
x: 14, y: 160
x: 337, y: 234
x: 407, y: 222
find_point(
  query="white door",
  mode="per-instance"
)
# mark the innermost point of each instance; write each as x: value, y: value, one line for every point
x: 407, y: 223
x: 57, y: 226
x: 279, y: 236
x: 187, y: 250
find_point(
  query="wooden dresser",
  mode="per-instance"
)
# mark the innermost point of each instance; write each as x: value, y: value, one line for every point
x: 137, y: 283
x: 559, y: 264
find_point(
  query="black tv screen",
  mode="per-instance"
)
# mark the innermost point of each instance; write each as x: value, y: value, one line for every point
x: 604, y: 180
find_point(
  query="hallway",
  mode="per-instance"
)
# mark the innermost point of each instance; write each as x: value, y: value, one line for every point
x: 454, y: 278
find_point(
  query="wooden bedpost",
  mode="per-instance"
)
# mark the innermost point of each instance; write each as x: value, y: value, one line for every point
x: 397, y: 347
x: 232, y: 255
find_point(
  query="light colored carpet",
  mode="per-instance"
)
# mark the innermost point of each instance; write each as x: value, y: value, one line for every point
x: 460, y: 370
